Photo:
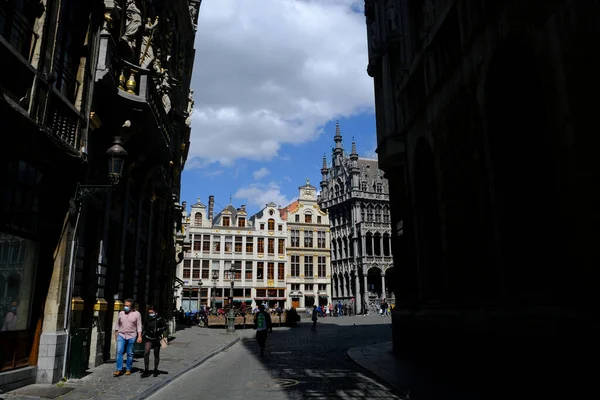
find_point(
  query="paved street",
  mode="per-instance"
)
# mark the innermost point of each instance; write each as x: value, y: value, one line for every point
x: 298, y: 364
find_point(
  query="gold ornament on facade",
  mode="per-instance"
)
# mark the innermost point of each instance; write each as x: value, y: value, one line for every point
x: 131, y: 84
x: 122, y: 80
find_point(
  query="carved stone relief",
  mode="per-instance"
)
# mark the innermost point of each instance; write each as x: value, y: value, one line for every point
x: 133, y: 23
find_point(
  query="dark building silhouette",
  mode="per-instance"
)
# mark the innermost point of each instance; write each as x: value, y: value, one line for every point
x: 79, y: 78
x: 484, y: 111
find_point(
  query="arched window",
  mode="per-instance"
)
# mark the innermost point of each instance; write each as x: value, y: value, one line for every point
x: 198, y: 219
x: 271, y: 224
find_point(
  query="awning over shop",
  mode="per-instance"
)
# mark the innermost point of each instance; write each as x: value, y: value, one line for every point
x: 270, y: 298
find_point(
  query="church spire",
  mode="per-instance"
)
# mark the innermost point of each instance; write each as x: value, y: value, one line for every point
x: 339, y: 150
x: 353, y: 153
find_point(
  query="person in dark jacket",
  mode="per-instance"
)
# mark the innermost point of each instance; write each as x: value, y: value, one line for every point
x: 153, y: 332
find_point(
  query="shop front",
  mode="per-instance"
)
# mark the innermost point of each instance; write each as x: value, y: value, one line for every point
x: 271, y: 297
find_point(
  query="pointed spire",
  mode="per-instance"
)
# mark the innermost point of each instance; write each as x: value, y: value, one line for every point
x: 338, y: 139
x: 337, y: 129
x: 324, y: 161
x: 353, y: 147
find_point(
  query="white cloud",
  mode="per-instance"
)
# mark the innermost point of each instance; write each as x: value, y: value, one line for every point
x: 260, y: 194
x: 271, y: 72
x: 213, y: 174
x: 260, y: 173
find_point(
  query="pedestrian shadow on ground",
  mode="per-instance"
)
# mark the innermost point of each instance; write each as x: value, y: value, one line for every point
x: 309, y: 364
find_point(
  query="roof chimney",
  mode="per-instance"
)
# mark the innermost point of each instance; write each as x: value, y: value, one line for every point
x: 211, y: 207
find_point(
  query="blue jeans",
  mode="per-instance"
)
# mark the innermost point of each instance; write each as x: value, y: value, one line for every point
x: 121, y: 342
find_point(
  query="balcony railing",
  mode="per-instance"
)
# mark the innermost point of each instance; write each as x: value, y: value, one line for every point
x: 64, y: 120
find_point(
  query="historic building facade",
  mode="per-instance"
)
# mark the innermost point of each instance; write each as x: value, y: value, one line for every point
x: 255, y: 245
x: 308, y: 276
x: 355, y: 195
x: 94, y: 84
x: 483, y: 111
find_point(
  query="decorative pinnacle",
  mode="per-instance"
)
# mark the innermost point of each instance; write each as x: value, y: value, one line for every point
x: 337, y: 131
x: 324, y: 161
x: 353, y: 148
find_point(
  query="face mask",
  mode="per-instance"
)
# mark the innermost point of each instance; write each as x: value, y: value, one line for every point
x: 152, y: 314
x: 126, y: 309
x: 13, y: 309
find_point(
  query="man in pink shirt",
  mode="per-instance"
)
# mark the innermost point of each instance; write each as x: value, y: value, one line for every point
x: 127, y: 327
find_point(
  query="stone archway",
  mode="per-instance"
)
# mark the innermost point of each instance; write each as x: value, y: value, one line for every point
x: 524, y: 172
x: 374, y: 287
x: 428, y: 223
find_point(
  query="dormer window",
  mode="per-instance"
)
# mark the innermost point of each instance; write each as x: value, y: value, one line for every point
x: 308, y: 218
x: 262, y: 226
x: 379, y: 188
x: 198, y: 219
x: 226, y: 221
x: 271, y: 223
x: 363, y: 186
x: 242, y: 222
x: 297, y: 219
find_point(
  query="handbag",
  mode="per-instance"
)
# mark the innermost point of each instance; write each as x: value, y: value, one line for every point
x: 164, y: 342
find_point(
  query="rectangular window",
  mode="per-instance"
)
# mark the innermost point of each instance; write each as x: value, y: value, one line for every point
x: 238, y: 270
x: 186, y: 273
x: 228, y: 244
x: 297, y: 219
x: 281, y: 247
x: 318, y: 219
x: 215, y: 268
x: 370, y: 215
x: 18, y: 258
x: 280, y: 227
x: 206, y: 243
x: 270, y: 270
x: 238, y: 244
x: 295, y: 266
x: 295, y: 287
x: 308, y: 239
x: 322, y: 267
x: 261, y: 292
x: 295, y: 238
x: 197, y: 245
x: 262, y: 227
x: 260, y: 270
x: 281, y: 271
x: 195, y: 273
x: 321, y: 243
x: 271, y: 223
x: 242, y: 222
x: 249, y: 245
x: 322, y: 287
x: 187, y: 263
x: 309, y: 287
x: 217, y: 244
x: 226, y: 221
x: 271, y: 246
x: 249, y: 270
x: 261, y: 245
x: 308, y: 266
x: 308, y: 218
x: 205, y: 273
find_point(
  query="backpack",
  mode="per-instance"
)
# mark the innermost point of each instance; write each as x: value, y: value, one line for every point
x: 261, y: 321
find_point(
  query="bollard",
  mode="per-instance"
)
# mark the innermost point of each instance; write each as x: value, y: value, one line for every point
x: 231, y: 322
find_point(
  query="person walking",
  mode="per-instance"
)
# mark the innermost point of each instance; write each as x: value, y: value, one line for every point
x: 127, y: 327
x: 315, y: 317
x: 262, y: 324
x: 153, y: 333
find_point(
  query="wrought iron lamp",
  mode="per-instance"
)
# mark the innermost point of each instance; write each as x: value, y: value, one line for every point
x: 215, y: 277
x: 231, y: 316
x: 116, y: 160
x: 200, y: 283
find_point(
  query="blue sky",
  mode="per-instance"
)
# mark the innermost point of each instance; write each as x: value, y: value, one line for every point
x: 270, y: 80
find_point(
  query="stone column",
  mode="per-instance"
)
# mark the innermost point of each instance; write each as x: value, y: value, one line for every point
x: 357, y: 296
x: 366, y: 292
x: 382, y: 284
x: 381, y: 252
x: 364, y: 245
x: 54, y: 338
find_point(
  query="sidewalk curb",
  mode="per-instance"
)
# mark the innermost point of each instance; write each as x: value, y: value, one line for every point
x: 159, y: 385
x: 357, y: 356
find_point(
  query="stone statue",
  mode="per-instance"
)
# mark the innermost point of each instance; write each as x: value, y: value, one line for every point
x: 390, y: 13
x: 134, y: 21
x: 190, y: 108
x: 147, y: 56
x: 193, y: 13
x: 373, y: 37
x: 164, y: 88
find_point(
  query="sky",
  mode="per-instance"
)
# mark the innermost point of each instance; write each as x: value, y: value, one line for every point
x: 271, y: 77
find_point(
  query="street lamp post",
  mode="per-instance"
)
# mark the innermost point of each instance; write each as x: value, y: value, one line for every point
x: 231, y: 315
x: 215, y: 276
x: 200, y: 294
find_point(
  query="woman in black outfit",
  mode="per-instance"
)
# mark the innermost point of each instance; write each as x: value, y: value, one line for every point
x: 153, y: 332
